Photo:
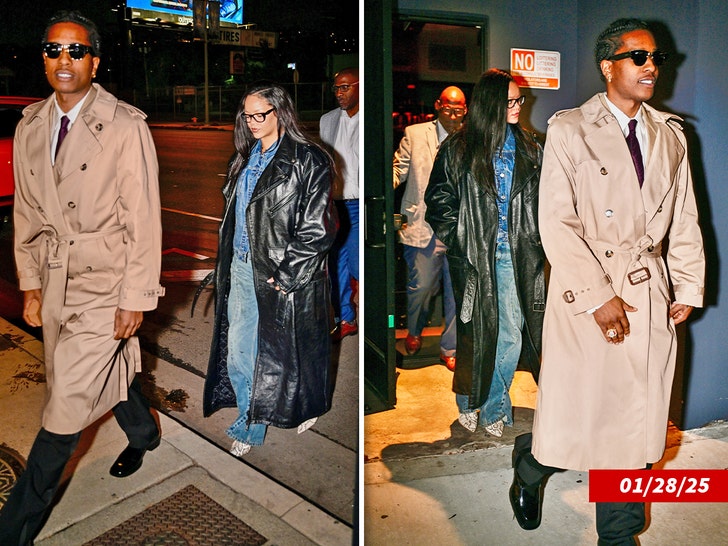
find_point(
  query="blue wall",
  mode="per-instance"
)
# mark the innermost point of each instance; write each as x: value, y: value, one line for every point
x: 694, y: 85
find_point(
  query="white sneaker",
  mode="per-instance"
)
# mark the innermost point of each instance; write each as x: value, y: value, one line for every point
x: 469, y: 420
x: 240, y: 448
x: 495, y: 429
x: 303, y: 427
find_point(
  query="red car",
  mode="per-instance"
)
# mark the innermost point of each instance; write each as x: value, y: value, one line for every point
x: 11, y: 109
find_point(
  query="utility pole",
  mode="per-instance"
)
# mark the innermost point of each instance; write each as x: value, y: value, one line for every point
x: 202, y: 10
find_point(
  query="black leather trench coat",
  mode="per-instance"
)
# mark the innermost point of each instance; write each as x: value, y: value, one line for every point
x: 291, y: 225
x: 464, y: 215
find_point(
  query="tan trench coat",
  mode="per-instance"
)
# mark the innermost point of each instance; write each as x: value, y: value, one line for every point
x: 602, y: 405
x: 88, y: 233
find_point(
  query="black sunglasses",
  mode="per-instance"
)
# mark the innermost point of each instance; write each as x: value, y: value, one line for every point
x: 639, y: 57
x: 77, y: 52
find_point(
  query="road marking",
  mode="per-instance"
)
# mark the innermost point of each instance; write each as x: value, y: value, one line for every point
x: 185, y: 275
x: 192, y: 214
x: 185, y: 253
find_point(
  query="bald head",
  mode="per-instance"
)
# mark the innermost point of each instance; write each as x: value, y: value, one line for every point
x: 352, y: 72
x: 451, y: 108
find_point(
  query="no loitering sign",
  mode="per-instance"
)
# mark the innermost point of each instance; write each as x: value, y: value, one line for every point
x: 536, y: 69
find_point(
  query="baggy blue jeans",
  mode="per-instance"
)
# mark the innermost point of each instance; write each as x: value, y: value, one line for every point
x: 344, y: 259
x: 508, y: 348
x: 426, y: 267
x: 243, y: 349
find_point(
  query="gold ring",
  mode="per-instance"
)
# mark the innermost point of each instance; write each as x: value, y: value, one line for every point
x: 611, y: 333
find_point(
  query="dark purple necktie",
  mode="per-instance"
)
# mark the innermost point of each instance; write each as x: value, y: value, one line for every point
x: 634, y: 150
x: 62, y: 132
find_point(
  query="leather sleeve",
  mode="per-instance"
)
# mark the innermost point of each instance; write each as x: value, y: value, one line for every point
x: 442, y: 198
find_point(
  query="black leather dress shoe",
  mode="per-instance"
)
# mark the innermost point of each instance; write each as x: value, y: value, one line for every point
x: 526, y: 502
x: 130, y: 460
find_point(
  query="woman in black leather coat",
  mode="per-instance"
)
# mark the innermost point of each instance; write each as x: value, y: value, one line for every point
x: 482, y: 202
x: 271, y: 351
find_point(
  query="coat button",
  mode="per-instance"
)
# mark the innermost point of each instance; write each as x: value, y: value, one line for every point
x: 659, y: 209
x: 609, y: 213
x: 71, y: 242
x: 609, y: 253
x: 71, y: 205
x: 83, y: 167
x: 89, y: 268
x: 650, y: 248
x: 99, y: 126
x: 603, y: 171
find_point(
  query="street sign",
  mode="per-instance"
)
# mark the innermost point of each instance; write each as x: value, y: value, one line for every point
x: 229, y: 36
x: 536, y: 69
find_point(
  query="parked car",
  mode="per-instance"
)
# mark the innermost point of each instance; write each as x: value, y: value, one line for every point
x: 11, y: 109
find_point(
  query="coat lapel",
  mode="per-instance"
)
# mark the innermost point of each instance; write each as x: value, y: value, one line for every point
x: 38, y: 149
x: 433, y: 142
x: 523, y: 171
x: 82, y: 142
x: 663, y: 156
x: 607, y: 143
x: 277, y: 171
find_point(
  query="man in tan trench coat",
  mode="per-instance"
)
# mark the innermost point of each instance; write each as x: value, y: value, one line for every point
x: 88, y: 252
x: 609, y: 341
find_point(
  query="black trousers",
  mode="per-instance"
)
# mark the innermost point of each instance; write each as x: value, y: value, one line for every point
x: 28, y: 506
x: 617, y: 522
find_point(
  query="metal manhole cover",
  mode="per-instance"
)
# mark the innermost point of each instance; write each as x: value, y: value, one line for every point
x: 12, y: 466
x: 187, y: 518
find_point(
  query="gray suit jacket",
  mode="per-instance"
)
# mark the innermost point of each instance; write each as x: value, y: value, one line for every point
x: 412, y: 165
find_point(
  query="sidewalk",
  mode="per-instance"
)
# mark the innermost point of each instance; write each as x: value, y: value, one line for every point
x: 429, y: 481
x: 92, y: 503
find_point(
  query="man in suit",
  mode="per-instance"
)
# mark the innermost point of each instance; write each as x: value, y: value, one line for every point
x: 339, y: 131
x: 423, y: 251
x: 87, y: 224
x: 615, y: 187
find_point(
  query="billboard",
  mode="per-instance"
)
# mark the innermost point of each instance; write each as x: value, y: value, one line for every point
x: 180, y: 11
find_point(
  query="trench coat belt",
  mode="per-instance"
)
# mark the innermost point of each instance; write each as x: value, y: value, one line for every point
x: 54, y: 287
x: 645, y: 248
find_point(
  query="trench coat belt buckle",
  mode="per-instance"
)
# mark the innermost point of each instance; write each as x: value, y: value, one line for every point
x: 638, y: 276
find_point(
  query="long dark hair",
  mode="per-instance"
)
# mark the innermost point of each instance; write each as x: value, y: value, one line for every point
x: 288, y: 122
x: 484, y: 132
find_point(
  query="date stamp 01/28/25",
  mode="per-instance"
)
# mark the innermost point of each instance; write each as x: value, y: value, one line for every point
x: 708, y: 485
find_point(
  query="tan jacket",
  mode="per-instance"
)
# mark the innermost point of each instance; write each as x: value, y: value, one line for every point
x: 602, y: 405
x: 412, y: 165
x: 88, y: 232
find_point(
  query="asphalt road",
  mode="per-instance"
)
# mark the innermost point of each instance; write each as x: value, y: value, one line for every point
x: 321, y: 464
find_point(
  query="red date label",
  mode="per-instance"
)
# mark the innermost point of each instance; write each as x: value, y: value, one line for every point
x: 658, y: 486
